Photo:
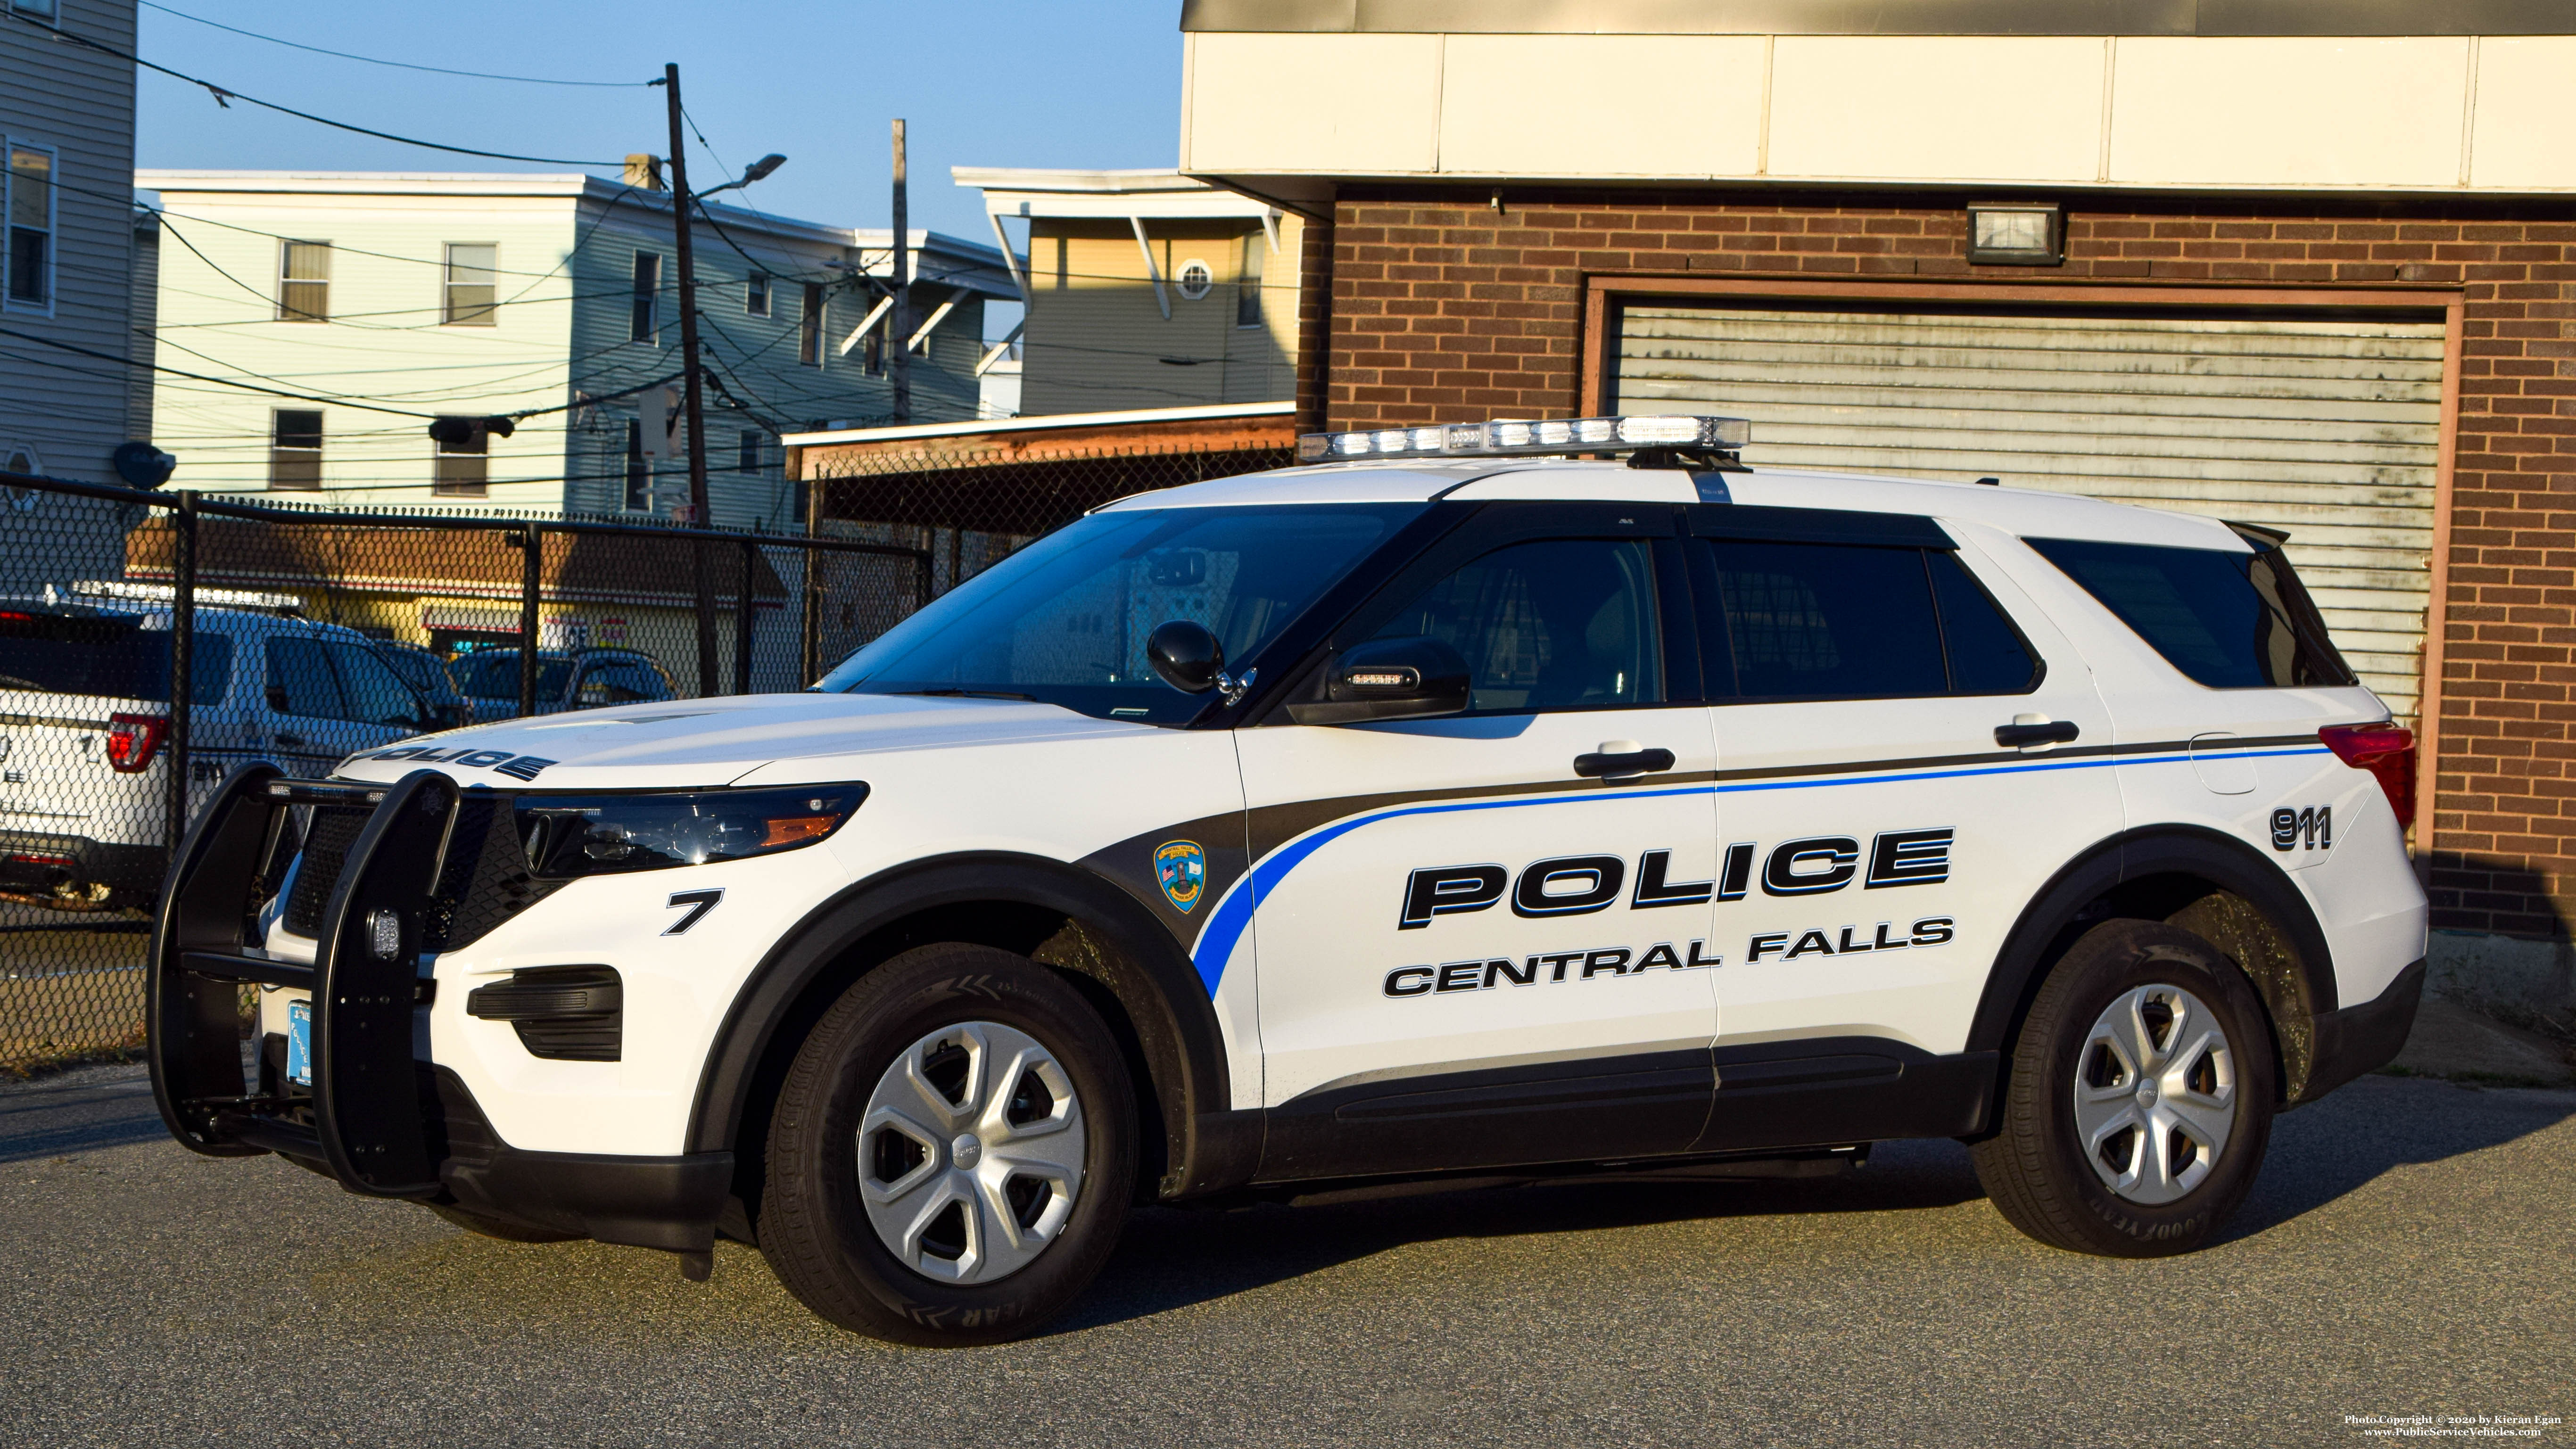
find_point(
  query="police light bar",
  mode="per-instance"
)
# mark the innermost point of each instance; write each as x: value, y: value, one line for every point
x: 1524, y: 437
x: 166, y: 593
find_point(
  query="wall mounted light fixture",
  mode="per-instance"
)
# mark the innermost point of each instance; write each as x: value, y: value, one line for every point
x: 2016, y: 234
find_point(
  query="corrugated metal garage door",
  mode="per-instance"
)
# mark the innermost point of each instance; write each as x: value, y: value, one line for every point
x: 2324, y: 427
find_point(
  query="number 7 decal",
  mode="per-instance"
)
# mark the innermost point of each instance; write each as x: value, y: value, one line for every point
x: 698, y: 902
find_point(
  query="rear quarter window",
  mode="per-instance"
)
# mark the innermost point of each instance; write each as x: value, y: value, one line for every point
x: 2226, y: 620
x: 106, y: 656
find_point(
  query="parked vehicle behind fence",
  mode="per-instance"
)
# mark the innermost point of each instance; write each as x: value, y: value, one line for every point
x: 566, y: 679
x: 85, y: 713
x: 428, y: 676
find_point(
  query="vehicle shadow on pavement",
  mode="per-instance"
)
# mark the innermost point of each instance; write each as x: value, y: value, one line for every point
x: 40, y: 1122
x: 1173, y: 1258
x: 2369, y: 1127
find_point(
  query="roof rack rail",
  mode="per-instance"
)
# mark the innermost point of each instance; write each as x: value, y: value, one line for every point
x: 1670, y: 433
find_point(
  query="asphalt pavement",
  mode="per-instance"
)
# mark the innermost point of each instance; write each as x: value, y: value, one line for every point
x: 2410, y: 1250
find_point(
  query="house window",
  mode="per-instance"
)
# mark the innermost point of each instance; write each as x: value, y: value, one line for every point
x: 1196, y: 278
x: 639, y: 473
x: 872, y: 351
x: 755, y: 294
x: 748, y: 459
x: 645, y: 325
x: 295, y: 450
x: 44, y: 8
x: 31, y: 226
x: 462, y: 467
x: 471, y: 295
x: 1247, y: 284
x: 304, y: 281
x: 809, y: 337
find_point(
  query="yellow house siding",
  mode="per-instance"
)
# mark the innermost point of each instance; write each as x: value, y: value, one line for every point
x: 1098, y: 340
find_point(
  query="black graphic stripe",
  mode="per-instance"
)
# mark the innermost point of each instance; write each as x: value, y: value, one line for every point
x: 1272, y: 826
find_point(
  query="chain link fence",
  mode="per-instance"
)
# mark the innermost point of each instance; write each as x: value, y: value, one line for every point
x: 151, y: 642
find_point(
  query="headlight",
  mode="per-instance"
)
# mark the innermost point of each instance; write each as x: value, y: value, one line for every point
x: 571, y: 835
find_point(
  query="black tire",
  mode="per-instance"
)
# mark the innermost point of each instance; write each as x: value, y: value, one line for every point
x: 814, y: 1227
x: 508, y: 1232
x: 2036, y: 1167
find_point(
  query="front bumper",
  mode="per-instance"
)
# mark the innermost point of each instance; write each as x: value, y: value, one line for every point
x: 2363, y: 1038
x: 378, y: 1117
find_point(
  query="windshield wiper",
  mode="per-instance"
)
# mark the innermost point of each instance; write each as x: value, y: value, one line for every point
x: 971, y: 694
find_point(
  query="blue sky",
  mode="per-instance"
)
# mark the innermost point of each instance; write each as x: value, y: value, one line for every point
x: 980, y: 82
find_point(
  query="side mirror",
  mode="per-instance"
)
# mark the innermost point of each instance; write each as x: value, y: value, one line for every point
x: 1389, y: 679
x: 1186, y: 655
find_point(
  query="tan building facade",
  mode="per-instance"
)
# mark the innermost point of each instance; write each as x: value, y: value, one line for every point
x: 1146, y: 289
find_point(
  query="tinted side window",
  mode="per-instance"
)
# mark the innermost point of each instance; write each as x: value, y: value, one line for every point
x: 300, y: 681
x: 210, y: 668
x: 370, y: 691
x: 1558, y: 624
x: 105, y: 656
x: 1987, y: 655
x: 2227, y: 620
x: 1825, y: 621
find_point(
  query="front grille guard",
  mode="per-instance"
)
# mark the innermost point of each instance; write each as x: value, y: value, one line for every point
x: 365, y: 1121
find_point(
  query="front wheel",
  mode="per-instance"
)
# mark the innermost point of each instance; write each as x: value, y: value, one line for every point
x: 953, y: 1152
x: 2140, y: 1098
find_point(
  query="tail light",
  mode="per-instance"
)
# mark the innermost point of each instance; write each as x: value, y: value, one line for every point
x: 133, y: 739
x: 2385, y: 750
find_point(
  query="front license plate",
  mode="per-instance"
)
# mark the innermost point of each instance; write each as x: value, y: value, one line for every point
x: 299, y: 1043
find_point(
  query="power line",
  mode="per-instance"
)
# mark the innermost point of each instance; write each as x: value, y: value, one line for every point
x: 225, y: 96
x: 201, y: 377
x: 307, y: 397
x: 397, y: 64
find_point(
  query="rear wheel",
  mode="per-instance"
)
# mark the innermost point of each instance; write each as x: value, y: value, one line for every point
x: 952, y: 1154
x: 2140, y: 1099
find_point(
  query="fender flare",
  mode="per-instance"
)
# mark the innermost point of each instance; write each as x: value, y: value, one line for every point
x: 2293, y: 991
x: 1174, y: 1019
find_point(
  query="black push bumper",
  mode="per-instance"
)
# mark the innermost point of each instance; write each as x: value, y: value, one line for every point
x: 377, y: 1118
x: 2363, y: 1038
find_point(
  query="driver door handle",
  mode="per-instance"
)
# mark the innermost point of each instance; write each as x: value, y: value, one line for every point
x: 2050, y: 732
x: 1617, y: 759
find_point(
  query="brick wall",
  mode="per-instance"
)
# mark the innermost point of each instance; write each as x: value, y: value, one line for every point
x: 1439, y: 305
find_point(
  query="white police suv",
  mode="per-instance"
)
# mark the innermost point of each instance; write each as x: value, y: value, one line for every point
x: 1452, y: 809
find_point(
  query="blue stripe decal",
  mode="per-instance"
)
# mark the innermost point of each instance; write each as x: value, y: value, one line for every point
x: 1233, y: 913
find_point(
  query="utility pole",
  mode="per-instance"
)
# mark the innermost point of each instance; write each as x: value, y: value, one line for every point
x: 694, y: 403
x: 899, y: 366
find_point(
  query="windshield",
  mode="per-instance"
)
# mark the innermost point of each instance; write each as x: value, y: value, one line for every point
x: 420, y: 671
x: 1064, y: 620
x: 494, y: 674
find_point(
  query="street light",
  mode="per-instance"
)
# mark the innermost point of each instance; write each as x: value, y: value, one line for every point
x: 751, y: 173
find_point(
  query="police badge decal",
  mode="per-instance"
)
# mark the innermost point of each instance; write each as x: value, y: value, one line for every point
x: 1180, y: 867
